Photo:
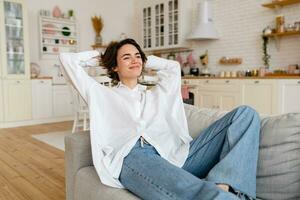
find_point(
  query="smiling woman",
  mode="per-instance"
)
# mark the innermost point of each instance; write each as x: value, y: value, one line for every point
x: 124, y: 61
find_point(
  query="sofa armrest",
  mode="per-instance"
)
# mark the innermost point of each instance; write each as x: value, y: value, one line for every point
x: 77, y: 155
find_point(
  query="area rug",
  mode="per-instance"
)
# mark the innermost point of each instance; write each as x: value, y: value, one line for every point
x: 55, y: 139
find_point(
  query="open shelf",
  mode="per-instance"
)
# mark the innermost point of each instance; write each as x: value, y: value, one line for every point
x: 280, y: 3
x: 287, y: 33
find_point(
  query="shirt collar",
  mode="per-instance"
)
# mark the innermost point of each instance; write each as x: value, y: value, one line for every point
x: 138, y: 87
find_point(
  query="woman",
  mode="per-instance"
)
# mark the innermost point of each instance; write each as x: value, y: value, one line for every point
x: 140, y: 137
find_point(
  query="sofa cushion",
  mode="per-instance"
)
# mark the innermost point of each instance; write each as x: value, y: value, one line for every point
x: 200, y: 118
x: 88, y: 186
x: 278, y: 175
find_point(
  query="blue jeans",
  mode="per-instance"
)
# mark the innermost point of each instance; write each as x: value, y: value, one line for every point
x: 225, y: 152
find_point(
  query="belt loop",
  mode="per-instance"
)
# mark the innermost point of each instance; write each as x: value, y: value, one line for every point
x: 142, y: 141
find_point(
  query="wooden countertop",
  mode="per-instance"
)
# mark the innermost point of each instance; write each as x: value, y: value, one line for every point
x: 252, y: 77
x: 43, y: 77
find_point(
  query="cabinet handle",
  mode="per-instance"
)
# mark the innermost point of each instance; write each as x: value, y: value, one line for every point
x: 256, y: 82
x: 41, y: 81
x: 227, y: 81
x: 207, y: 81
x: 18, y: 82
x: 298, y: 82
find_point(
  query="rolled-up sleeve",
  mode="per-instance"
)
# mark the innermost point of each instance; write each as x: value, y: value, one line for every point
x: 72, y: 64
x: 168, y: 72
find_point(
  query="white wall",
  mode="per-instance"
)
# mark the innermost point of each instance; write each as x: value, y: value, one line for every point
x: 117, y: 16
x: 240, y: 24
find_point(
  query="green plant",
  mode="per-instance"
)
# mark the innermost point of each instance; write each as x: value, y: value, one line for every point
x: 266, y: 57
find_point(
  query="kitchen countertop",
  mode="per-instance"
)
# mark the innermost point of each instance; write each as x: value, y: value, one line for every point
x: 43, y: 77
x: 252, y: 77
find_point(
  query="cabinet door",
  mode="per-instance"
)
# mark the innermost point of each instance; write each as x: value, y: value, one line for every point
x: 207, y: 99
x: 261, y: 95
x: 164, y: 23
x: 41, y: 99
x: 62, y: 101
x: 289, y: 96
x: 1, y: 103
x: 15, y: 56
x: 228, y: 101
x: 17, y: 100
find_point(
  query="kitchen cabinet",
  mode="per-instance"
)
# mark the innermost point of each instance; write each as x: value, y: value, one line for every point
x: 219, y: 94
x: 261, y: 95
x: 17, y: 100
x: 57, y: 35
x: 289, y: 96
x: 164, y: 23
x: 267, y: 96
x: 41, y: 98
x: 1, y: 103
x: 14, y: 40
x: 62, y: 101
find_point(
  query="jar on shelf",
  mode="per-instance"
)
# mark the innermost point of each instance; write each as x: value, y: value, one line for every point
x: 280, y: 24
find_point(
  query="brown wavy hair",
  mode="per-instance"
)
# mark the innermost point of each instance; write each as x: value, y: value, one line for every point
x: 109, y: 58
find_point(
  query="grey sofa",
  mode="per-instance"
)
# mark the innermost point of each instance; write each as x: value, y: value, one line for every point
x: 278, y: 176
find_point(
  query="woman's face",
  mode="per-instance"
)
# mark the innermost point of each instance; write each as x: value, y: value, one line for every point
x: 129, y: 62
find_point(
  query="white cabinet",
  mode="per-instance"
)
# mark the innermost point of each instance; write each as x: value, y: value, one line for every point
x: 289, y: 96
x: 1, y: 103
x: 261, y: 95
x: 41, y: 98
x: 220, y: 94
x: 14, y: 40
x: 17, y: 100
x: 57, y: 35
x: 164, y: 23
x: 62, y: 101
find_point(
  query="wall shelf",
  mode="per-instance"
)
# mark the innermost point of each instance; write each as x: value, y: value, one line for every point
x: 57, y: 35
x: 287, y: 33
x: 280, y: 3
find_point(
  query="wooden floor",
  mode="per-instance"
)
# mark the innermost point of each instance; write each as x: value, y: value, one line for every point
x: 30, y: 169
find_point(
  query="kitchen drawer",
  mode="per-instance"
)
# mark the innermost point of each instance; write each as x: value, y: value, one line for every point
x: 220, y: 85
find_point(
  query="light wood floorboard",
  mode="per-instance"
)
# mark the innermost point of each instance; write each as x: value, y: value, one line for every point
x: 30, y: 169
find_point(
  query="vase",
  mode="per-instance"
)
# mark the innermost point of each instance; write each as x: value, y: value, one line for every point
x: 98, y: 39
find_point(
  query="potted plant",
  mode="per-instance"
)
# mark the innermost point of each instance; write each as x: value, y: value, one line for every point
x: 266, y: 56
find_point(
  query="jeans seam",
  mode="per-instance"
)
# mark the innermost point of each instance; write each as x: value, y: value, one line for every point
x: 151, y: 182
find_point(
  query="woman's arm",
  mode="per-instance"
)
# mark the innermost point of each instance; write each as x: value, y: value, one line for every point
x: 72, y: 64
x: 168, y: 72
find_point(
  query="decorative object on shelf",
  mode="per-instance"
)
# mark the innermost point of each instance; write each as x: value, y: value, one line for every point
x: 204, y: 62
x: 66, y: 31
x: 266, y: 57
x: 56, y: 12
x: 98, y: 26
x: 49, y: 29
x: 35, y: 70
x: 71, y: 14
x: 280, y: 24
x: 230, y: 61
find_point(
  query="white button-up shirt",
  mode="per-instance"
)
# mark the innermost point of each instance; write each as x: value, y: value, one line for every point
x: 119, y: 116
